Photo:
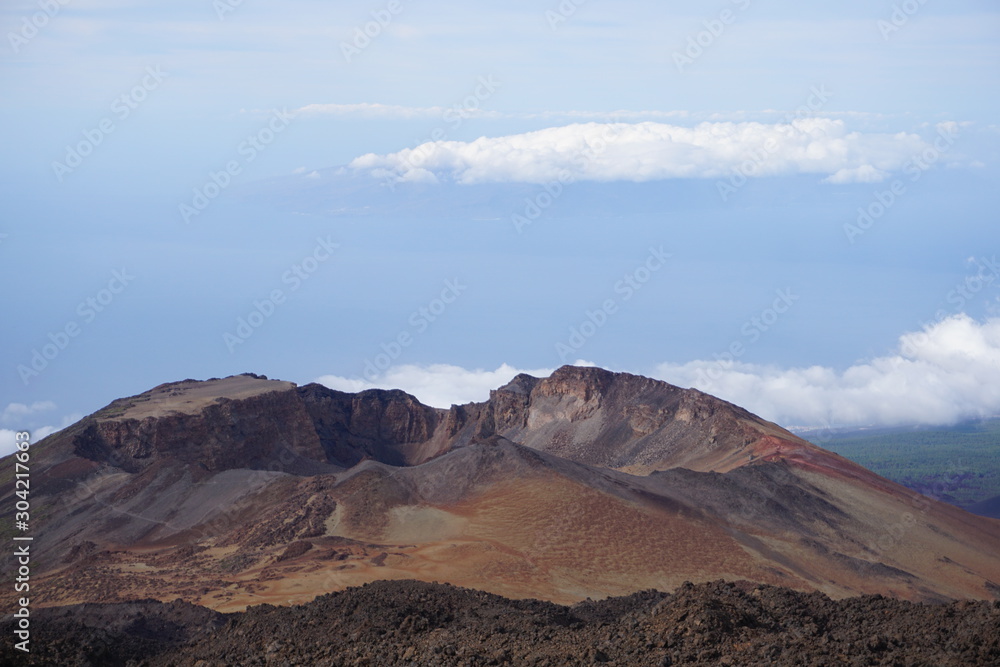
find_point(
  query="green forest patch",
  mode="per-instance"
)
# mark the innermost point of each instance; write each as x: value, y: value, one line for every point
x: 958, y: 464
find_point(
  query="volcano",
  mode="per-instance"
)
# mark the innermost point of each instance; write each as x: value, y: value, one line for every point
x: 232, y: 492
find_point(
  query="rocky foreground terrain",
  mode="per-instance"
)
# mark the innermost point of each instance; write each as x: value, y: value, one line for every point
x: 418, y: 623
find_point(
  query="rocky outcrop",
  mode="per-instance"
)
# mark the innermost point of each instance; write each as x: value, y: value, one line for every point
x: 408, y: 622
x: 225, y: 434
x: 507, y: 409
x: 628, y: 422
x: 310, y: 424
x: 588, y: 415
x: 387, y: 426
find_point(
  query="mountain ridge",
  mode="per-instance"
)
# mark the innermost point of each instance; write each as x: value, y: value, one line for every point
x: 587, y: 483
x: 394, y: 427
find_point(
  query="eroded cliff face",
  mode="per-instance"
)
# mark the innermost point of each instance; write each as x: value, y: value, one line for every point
x: 392, y: 427
x: 624, y: 421
x: 508, y: 406
x: 587, y: 415
x: 249, y: 422
x: 224, y: 434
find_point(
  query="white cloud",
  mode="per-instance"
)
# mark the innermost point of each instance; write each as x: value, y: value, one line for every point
x: 8, y: 443
x: 15, y: 411
x: 652, y: 151
x: 943, y: 373
x: 946, y: 372
x: 437, y: 385
x: 7, y: 440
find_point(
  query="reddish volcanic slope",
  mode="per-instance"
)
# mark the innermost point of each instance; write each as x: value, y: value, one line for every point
x: 235, y: 491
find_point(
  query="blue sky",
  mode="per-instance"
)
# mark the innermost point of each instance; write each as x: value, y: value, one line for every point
x: 470, y: 192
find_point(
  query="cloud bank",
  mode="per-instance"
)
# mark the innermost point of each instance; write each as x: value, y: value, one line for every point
x: 437, y: 385
x: 941, y: 374
x: 653, y: 151
x: 8, y: 441
x: 23, y: 417
x: 17, y: 411
x: 944, y: 373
